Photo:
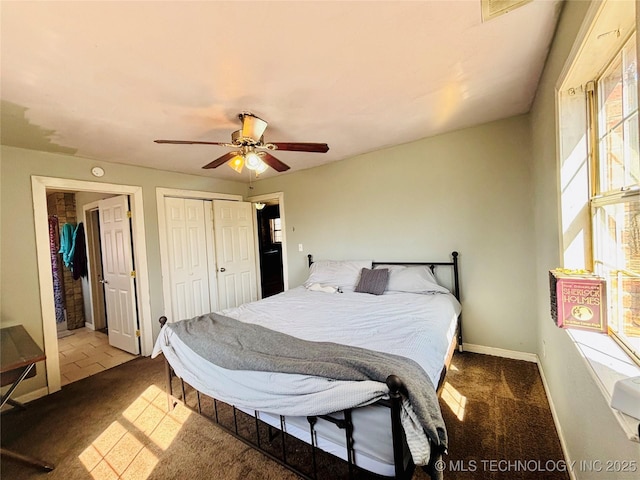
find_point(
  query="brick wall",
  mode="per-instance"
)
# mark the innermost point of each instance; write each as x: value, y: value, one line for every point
x: 63, y: 205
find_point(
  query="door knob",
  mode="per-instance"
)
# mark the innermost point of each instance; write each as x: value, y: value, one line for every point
x: 104, y: 281
x: 222, y: 269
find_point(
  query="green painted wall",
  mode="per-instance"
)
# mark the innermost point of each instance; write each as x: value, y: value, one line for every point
x: 468, y: 190
x: 20, y: 294
x: 588, y: 426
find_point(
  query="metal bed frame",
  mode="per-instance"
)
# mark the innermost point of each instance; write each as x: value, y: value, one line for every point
x: 403, y: 465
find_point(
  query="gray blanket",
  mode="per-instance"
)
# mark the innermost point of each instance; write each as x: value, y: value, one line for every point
x: 236, y: 345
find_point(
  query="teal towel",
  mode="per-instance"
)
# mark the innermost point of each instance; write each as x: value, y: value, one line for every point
x: 67, y: 244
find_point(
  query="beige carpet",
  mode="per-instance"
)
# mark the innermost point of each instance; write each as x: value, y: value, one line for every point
x: 115, y: 425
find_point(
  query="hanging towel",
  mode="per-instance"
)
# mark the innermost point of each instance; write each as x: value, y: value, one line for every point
x: 79, y: 260
x: 66, y: 244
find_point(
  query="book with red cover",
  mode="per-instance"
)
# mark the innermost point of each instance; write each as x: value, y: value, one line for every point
x: 578, y: 300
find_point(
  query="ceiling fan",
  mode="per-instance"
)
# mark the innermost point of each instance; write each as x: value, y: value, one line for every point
x: 250, y: 149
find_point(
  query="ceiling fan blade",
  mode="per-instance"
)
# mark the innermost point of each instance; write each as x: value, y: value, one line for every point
x: 191, y: 142
x: 221, y: 160
x: 301, y: 147
x: 273, y: 162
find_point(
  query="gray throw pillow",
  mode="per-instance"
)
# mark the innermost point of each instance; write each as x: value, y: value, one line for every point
x: 373, y: 281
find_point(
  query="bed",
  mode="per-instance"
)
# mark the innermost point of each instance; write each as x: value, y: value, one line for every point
x: 375, y: 423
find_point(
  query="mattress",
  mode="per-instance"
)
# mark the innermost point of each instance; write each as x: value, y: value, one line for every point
x: 420, y: 327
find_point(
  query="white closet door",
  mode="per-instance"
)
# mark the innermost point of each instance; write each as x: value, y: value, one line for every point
x: 235, y: 253
x: 190, y: 252
x: 119, y: 278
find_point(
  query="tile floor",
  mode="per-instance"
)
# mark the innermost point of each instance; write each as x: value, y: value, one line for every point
x: 87, y: 352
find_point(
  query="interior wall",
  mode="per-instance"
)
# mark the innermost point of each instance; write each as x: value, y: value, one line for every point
x: 20, y: 295
x: 468, y: 191
x: 589, y: 428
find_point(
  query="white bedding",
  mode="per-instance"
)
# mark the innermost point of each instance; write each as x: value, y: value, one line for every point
x: 420, y: 327
x: 406, y: 324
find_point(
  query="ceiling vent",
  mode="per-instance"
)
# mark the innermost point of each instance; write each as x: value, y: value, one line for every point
x: 495, y: 8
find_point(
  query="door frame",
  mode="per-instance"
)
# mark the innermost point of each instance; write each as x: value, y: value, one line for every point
x: 39, y: 186
x: 161, y: 193
x: 275, y: 197
x: 87, y: 211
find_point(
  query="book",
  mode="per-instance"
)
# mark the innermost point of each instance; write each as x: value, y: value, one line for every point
x: 578, y: 300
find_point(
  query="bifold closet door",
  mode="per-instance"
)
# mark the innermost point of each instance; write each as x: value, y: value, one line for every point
x: 191, y: 257
x: 235, y: 253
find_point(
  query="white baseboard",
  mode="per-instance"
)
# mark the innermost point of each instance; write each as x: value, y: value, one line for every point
x: 500, y: 352
x: 528, y: 357
x: 28, y: 397
x: 563, y: 444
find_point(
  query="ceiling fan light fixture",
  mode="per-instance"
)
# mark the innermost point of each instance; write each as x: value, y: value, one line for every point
x: 236, y: 163
x: 252, y: 126
x: 252, y: 160
x: 261, y: 168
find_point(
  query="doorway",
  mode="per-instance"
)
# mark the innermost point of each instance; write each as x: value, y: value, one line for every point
x: 271, y: 243
x: 40, y: 185
x: 85, y: 343
x: 270, y: 248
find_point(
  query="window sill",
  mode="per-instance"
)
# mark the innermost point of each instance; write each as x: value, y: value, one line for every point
x: 608, y: 363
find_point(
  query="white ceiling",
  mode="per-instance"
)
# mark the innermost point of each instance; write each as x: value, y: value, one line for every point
x: 102, y: 80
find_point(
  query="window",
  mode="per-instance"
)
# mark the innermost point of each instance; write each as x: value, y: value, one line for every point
x: 615, y: 199
x: 276, y: 230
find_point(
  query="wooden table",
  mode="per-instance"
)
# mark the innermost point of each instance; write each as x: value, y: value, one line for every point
x: 18, y: 357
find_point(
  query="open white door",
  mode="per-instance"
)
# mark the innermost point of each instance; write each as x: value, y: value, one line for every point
x: 119, y: 276
x: 235, y: 253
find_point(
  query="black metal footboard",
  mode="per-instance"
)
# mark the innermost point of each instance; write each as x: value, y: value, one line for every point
x: 276, y: 444
x: 278, y: 450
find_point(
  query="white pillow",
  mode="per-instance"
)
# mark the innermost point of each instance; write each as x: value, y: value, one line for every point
x: 415, y: 279
x: 318, y: 287
x: 343, y: 274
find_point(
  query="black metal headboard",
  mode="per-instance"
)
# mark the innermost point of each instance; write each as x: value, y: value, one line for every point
x: 432, y: 265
